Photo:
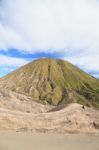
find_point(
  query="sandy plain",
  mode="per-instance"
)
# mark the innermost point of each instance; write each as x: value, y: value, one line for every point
x: 11, y: 140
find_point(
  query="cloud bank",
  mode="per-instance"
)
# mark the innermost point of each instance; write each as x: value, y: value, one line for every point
x: 8, y: 64
x: 62, y: 26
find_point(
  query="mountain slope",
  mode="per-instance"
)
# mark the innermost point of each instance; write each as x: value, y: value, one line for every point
x: 53, y: 81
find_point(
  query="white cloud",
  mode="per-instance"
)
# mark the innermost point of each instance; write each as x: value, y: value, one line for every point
x: 96, y: 75
x: 35, y: 25
x: 87, y: 61
x: 59, y: 25
x: 10, y: 61
x: 8, y: 64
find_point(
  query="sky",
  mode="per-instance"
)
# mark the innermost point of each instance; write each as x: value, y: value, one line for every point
x: 65, y: 29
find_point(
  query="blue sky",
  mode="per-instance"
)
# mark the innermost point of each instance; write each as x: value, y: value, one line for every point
x: 66, y: 29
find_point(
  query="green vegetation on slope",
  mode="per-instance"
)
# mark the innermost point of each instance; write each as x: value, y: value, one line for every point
x: 55, y: 82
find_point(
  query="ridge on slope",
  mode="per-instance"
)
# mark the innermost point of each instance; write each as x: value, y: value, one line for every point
x: 53, y: 81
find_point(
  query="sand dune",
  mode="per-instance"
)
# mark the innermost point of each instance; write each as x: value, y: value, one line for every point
x: 71, y: 119
x: 22, y: 120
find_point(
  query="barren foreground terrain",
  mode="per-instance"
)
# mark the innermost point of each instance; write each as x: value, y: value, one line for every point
x: 71, y: 119
x: 39, y: 141
x: 29, y: 125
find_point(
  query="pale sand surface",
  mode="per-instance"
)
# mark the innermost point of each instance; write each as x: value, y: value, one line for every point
x: 11, y: 140
x: 71, y: 119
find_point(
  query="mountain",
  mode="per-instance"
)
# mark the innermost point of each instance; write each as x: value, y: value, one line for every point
x: 53, y: 81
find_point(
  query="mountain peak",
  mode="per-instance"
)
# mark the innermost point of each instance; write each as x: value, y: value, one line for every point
x: 54, y: 81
